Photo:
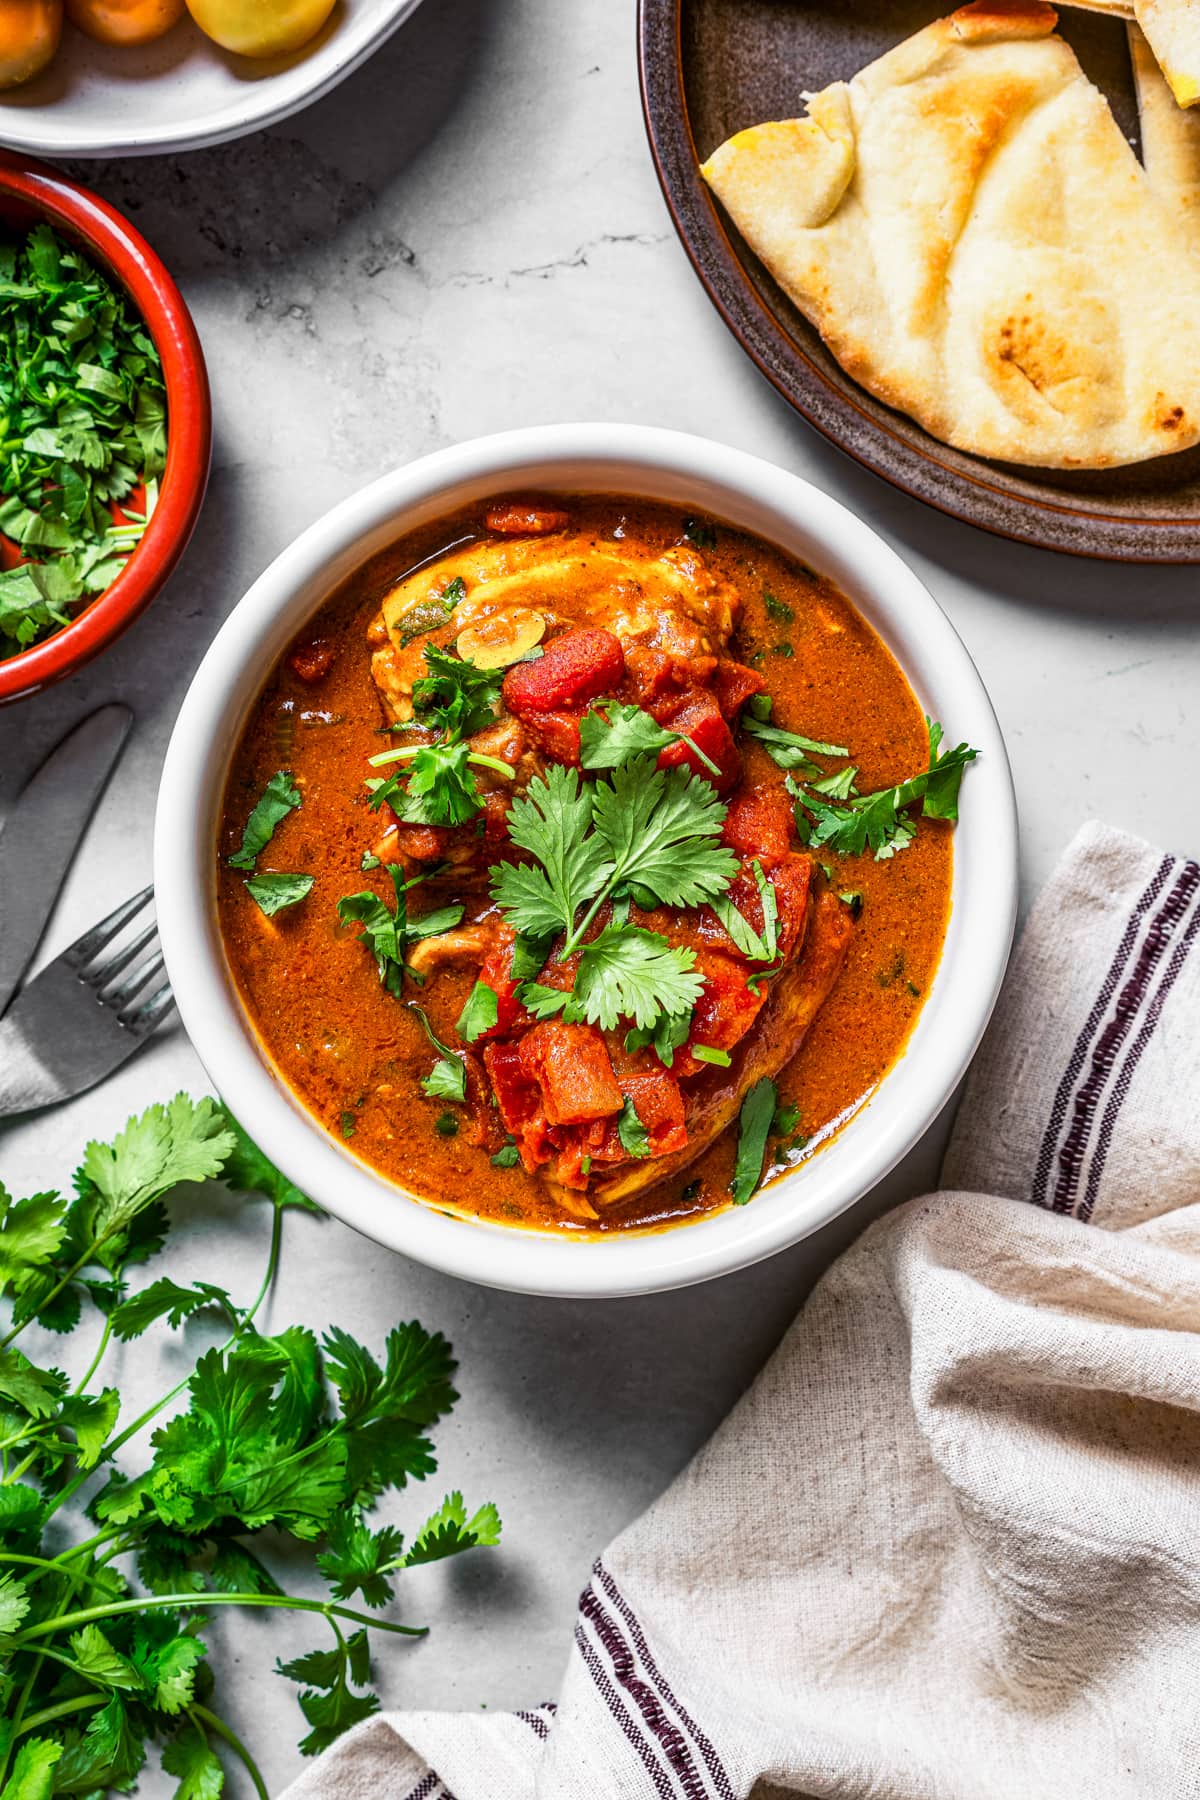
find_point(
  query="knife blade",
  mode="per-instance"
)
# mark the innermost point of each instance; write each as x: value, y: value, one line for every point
x: 44, y: 831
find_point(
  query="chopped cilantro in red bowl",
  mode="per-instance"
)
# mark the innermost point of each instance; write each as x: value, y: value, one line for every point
x: 107, y: 426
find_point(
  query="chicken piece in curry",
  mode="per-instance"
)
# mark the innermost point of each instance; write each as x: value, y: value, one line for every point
x: 591, y: 893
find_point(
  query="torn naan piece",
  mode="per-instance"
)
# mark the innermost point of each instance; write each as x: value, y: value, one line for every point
x: 1170, y: 142
x: 1172, y: 29
x: 979, y: 247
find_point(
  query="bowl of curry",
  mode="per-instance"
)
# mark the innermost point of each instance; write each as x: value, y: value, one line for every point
x: 586, y: 860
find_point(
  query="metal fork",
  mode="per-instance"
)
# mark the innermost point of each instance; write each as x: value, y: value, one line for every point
x: 85, y: 1014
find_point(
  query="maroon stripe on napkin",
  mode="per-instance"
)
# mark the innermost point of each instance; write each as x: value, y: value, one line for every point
x: 716, y: 1767
x: 1129, y: 1003
x: 430, y: 1788
x: 624, y: 1666
x: 662, y: 1782
x: 1116, y: 1099
x: 535, y: 1722
x: 1058, y: 1111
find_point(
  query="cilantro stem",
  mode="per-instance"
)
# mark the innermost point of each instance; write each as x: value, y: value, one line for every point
x: 152, y: 1412
x: 105, y: 1337
x: 200, y: 1717
x: 191, y: 1602
x: 475, y: 756
x: 61, y: 1711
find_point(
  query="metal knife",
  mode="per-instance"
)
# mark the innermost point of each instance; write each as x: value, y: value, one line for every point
x: 44, y: 831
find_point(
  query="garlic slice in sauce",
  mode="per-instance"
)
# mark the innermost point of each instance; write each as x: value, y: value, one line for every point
x: 503, y: 639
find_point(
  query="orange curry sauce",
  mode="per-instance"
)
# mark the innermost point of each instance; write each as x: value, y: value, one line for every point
x: 355, y: 1055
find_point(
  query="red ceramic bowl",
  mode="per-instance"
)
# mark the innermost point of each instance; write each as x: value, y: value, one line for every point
x: 29, y: 192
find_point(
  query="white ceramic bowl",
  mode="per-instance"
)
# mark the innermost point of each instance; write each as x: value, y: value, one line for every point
x: 700, y: 476
x: 182, y: 91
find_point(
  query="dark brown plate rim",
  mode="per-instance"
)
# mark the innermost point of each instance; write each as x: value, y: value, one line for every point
x: 1070, y: 526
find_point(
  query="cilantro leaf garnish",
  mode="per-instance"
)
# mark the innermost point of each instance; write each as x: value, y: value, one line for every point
x: 759, y: 947
x: 387, y: 933
x: 635, y: 1139
x: 479, y: 1014
x: 611, y: 732
x: 455, y: 699
x: 882, y: 821
x: 645, y: 831
x: 278, y: 799
x: 275, y: 890
x: 624, y: 972
x: 758, y: 1110
x: 447, y: 1080
x: 786, y: 748
x: 84, y: 412
x: 668, y: 1034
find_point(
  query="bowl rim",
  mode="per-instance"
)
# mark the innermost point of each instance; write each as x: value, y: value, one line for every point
x: 123, y: 254
x: 708, y: 477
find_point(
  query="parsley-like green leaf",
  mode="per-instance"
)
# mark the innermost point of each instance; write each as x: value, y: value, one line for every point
x: 386, y: 932
x: 479, y: 1014
x: 786, y: 748
x: 758, y: 1109
x: 165, y: 1299
x: 274, y: 891
x: 552, y: 821
x: 610, y: 733
x: 449, y: 1530
x: 32, y: 1775
x: 758, y: 946
x: 447, y: 1080
x: 635, y: 1139
x: 624, y: 972
x: 81, y: 390
x: 668, y: 1034
x: 456, y: 697
x: 280, y: 797
x: 882, y: 821
x: 661, y: 828
x: 197, y: 1768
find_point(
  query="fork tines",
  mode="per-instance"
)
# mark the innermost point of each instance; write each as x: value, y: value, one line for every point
x: 137, y: 1010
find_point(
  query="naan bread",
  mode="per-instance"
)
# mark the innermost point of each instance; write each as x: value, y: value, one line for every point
x: 1172, y: 29
x: 1170, y: 142
x: 979, y: 246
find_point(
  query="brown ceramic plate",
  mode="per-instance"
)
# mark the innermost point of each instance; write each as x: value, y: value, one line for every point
x: 712, y: 67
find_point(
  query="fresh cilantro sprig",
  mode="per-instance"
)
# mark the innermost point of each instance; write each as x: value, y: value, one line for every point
x: 611, y: 732
x: 455, y: 699
x: 754, y: 1127
x: 82, y: 418
x: 277, y: 800
x: 387, y: 932
x: 788, y: 749
x: 885, y: 822
x: 644, y: 834
x: 278, y: 1434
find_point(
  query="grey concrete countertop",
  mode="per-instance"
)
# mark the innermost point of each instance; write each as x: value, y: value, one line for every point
x: 468, y: 235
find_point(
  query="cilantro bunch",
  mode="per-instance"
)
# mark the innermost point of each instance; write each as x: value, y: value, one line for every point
x: 102, y: 1652
x: 82, y: 419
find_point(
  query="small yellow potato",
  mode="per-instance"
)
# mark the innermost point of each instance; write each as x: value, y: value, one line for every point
x: 125, y: 21
x: 260, y: 27
x: 503, y: 639
x: 29, y: 34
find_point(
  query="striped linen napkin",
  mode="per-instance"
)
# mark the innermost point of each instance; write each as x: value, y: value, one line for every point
x: 948, y: 1545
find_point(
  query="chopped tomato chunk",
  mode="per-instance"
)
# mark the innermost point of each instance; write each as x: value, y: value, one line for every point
x: 699, y: 717
x: 658, y: 1102
x: 726, y: 1009
x: 759, y: 824
x: 524, y: 518
x: 576, y: 667
x: 571, y: 1065
x: 312, y: 661
x: 557, y: 733
x: 734, y: 685
x: 496, y: 973
x: 652, y: 675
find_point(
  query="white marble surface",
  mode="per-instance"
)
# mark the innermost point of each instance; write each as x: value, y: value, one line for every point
x: 469, y: 235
